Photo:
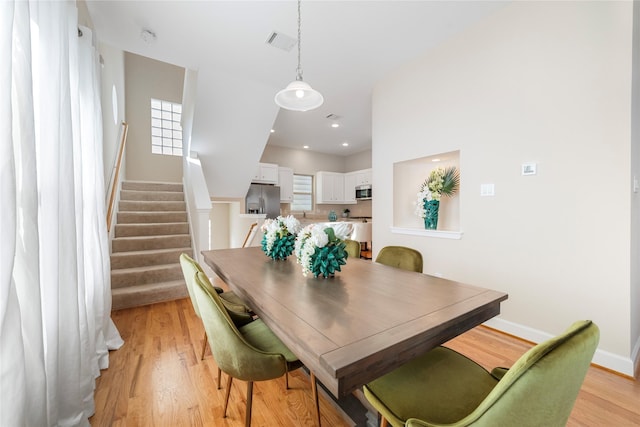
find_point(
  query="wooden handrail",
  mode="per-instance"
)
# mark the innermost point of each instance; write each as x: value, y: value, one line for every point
x: 254, y: 225
x: 114, y: 183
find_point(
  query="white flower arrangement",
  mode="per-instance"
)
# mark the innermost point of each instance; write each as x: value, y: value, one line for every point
x: 441, y: 182
x: 312, y: 239
x: 422, y: 196
x: 281, y: 230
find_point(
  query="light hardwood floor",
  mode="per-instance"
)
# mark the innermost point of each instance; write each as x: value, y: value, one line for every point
x: 158, y: 379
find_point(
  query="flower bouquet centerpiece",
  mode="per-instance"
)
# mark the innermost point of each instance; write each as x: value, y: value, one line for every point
x: 279, y: 236
x: 441, y: 182
x: 321, y: 250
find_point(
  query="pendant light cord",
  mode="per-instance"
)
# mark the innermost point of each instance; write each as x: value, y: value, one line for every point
x: 299, y: 69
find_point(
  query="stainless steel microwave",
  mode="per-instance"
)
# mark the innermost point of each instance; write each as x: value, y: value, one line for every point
x: 363, y: 192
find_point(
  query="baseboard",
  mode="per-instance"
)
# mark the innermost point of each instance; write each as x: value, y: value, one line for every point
x: 608, y: 360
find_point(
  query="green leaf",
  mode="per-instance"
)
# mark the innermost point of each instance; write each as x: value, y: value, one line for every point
x: 451, y: 181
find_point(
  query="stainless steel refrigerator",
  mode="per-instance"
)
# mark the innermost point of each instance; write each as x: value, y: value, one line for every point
x: 263, y: 199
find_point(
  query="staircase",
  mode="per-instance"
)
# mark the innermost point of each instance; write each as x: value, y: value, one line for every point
x: 151, y: 232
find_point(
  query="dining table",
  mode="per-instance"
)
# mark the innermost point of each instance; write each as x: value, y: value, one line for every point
x: 358, y: 325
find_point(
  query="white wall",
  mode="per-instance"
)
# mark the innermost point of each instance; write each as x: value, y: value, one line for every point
x: 548, y: 82
x: 302, y: 161
x: 358, y: 161
x: 635, y: 198
x: 145, y: 79
x: 113, y: 89
x: 309, y: 162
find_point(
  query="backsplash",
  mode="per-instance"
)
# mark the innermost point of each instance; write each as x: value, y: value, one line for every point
x: 321, y: 211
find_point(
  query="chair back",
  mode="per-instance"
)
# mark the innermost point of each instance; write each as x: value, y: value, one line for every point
x: 401, y: 257
x: 232, y: 353
x: 541, y: 388
x: 189, y: 269
x: 353, y: 248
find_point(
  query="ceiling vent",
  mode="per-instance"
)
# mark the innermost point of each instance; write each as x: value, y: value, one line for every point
x: 281, y: 41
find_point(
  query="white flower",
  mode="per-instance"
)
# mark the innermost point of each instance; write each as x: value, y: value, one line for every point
x: 309, y: 238
x: 278, y: 228
x: 292, y: 224
x: 304, y: 248
x: 421, y: 197
x: 319, y: 237
x: 343, y: 230
x: 265, y: 225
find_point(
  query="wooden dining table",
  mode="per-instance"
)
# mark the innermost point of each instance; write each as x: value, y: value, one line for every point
x: 360, y: 324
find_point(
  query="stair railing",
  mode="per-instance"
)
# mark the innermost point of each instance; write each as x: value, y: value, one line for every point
x: 251, y: 233
x: 115, y: 174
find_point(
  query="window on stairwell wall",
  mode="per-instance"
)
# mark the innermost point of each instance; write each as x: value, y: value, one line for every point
x: 166, y: 131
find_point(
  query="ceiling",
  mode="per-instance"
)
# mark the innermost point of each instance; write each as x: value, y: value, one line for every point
x: 347, y: 46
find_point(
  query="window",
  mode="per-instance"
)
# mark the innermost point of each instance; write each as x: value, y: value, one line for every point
x: 166, y: 131
x: 302, y: 193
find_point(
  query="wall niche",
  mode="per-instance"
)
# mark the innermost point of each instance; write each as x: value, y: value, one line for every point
x: 408, y: 177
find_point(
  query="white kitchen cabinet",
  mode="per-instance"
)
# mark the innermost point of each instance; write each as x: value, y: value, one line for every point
x: 350, y: 180
x: 329, y: 187
x: 266, y: 173
x: 285, y: 182
x: 363, y: 177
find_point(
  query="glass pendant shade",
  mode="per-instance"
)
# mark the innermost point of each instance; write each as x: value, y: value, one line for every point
x: 299, y: 96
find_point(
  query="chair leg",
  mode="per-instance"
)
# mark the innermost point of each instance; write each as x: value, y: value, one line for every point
x: 314, y: 389
x: 384, y: 422
x: 226, y: 397
x: 219, y: 378
x: 286, y: 380
x: 204, y: 346
x: 247, y: 419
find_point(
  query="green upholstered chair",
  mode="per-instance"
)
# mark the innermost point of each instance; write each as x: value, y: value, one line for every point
x: 443, y: 387
x: 249, y: 353
x: 237, y: 310
x: 400, y: 257
x: 353, y: 248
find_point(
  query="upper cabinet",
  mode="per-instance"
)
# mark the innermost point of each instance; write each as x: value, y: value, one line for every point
x: 266, y: 173
x: 363, y: 177
x: 329, y: 187
x: 335, y: 187
x: 350, y: 183
x: 285, y: 182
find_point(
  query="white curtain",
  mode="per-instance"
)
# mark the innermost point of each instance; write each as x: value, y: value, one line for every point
x: 55, y: 299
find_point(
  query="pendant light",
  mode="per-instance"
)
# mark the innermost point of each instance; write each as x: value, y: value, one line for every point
x: 298, y: 95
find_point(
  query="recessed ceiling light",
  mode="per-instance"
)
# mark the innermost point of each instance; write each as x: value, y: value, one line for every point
x: 435, y: 160
x: 272, y: 130
x: 335, y: 125
x: 345, y: 144
x: 305, y: 146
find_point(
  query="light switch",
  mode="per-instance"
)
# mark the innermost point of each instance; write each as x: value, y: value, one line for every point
x: 636, y: 185
x: 487, y: 190
x: 529, y: 168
